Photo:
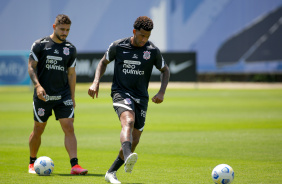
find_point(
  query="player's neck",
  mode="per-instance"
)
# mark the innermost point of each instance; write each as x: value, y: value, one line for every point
x: 132, y: 41
x: 55, y: 39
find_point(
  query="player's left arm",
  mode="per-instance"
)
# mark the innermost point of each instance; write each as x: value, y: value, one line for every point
x: 72, y: 83
x: 165, y: 74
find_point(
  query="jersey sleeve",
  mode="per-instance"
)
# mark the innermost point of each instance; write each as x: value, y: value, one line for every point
x: 160, y: 62
x: 111, y: 52
x: 72, y: 62
x: 34, y: 51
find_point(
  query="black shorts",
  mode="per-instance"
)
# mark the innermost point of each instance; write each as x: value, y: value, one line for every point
x: 124, y: 102
x: 63, y: 108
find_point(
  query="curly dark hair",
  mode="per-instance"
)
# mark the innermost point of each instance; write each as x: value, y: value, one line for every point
x: 143, y: 22
x: 62, y: 19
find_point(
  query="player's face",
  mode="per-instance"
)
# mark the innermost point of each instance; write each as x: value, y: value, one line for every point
x: 61, y: 31
x: 140, y: 37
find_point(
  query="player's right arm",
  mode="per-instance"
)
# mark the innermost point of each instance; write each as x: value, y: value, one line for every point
x: 32, y: 71
x: 34, y: 78
x: 100, y: 70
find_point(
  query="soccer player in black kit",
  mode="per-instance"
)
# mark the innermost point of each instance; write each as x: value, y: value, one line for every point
x: 51, y: 67
x: 134, y: 59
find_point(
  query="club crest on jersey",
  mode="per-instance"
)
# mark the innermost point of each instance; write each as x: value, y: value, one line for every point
x: 41, y: 112
x: 147, y: 55
x: 127, y: 101
x: 66, y: 51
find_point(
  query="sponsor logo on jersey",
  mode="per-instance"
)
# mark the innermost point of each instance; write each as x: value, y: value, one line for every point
x: 52, y: 63
x: 131, y: 62
x: 133, y: 72
x: 129, y: 67
x: 55, y: 58
x: 41, y: 112
x: 147, y: 55
x: 66, y: 51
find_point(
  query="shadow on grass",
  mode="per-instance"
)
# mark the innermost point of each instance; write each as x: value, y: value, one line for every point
x: 96, y: 175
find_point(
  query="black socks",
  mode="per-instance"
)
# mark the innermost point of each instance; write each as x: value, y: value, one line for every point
x: 32, y: 160
x: 126, y: 147
x: 74, y: 161
x: 116, y: 165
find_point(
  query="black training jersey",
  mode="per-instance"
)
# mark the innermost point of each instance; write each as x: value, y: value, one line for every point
x: 53, y: 59
x: 133, y: 66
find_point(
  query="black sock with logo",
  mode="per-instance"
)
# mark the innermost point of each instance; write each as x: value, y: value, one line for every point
x: 32, y: 160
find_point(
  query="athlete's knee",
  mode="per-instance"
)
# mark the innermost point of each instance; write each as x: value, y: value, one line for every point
x: 68, y: 127
x: 129, y: 123
x: 127, y: 120
x: 38, y: 129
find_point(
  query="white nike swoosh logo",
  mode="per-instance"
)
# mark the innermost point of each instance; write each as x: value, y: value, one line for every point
x: 47, y: 48
x: 125, y: 52
x: 179, y: 67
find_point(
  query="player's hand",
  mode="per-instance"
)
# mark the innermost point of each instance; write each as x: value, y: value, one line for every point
x: 93, y: 90
x: 158, y: 98
x: 41, y: 93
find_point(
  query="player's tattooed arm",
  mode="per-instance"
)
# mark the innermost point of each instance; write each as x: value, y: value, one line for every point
x: 34, y: 78
x: 32, y: 72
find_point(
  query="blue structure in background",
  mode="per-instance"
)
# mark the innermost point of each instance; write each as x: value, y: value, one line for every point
x: 13, y: 68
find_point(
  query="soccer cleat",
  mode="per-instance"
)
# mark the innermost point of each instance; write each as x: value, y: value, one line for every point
x: 111, y: 177
x: 78, y: 170
x: 31, y: 169
x: 130, y: 161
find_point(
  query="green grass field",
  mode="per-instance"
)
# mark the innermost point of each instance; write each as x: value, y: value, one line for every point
x: 184, y: 138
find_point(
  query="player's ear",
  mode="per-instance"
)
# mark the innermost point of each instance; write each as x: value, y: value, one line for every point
x: 54, y: 26
x: 134, y: 31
